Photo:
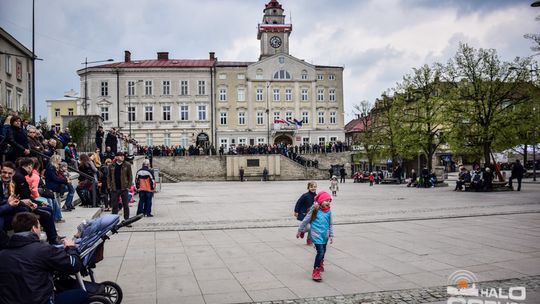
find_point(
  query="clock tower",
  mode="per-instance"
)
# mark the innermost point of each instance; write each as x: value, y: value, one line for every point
x: 273, y: 32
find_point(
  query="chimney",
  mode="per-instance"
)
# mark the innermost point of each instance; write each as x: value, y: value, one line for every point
x: 127, y: 56
x: 212, y: 56
x: 163, y: 55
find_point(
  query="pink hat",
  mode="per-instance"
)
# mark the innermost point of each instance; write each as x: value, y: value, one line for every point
x: 322, y: 196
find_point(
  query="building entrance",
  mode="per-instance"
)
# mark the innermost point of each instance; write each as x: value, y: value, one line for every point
x: 283, y: 139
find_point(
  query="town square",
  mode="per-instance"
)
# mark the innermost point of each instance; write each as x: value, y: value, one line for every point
x: 269, y: 151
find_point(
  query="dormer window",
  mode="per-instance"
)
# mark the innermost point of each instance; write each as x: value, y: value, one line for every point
x: 282, y: 74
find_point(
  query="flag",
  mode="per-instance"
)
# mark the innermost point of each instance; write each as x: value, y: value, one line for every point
x: 279, y: 121
x: 298, y: 122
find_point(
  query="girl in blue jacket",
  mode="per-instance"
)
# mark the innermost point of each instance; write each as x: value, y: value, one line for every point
x: 320, y: 218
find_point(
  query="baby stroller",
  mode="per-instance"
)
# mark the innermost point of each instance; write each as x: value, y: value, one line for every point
x: 90, y: 244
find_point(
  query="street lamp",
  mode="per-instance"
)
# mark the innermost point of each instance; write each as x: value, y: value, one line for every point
x: 129, y: 104
x: 86, y: 62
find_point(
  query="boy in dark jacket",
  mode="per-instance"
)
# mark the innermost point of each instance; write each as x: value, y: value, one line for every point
x: 304, y: 203
x: 26, y: 271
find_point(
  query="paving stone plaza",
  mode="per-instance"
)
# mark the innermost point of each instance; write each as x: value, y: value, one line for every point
x: 232, y: 242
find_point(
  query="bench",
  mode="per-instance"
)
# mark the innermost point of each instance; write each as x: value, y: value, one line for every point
x: 390, y: 180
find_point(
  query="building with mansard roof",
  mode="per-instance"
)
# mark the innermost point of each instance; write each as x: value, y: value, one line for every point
x: 277, y: 99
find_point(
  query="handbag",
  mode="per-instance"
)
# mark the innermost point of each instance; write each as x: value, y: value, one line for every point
x: 46, y: 193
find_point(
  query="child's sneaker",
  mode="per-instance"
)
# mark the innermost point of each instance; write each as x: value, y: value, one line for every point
x: 308, y: 241
x: 322, y: 266
x: 302, y: 235
x: 316, y: 275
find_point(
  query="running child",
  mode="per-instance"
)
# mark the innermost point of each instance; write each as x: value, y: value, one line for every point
x: 304, y: 203
x: 320, y: 218
x: 334, y: 187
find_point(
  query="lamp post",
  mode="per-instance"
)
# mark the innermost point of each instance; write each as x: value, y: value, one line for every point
x: 86, y: 62
x: 267, y: 113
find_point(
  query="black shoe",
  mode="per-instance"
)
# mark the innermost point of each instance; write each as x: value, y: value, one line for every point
x: 149, y: 215
x: 129, y: 226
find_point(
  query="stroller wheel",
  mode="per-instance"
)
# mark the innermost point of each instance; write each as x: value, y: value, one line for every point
x: 98, y: 300
x: 113, y: 292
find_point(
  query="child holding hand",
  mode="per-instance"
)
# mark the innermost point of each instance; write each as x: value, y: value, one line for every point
x: 319, y: 217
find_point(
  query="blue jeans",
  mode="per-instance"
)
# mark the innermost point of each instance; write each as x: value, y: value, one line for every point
x: 57, y: 213
x: 145, y: 203
x: 321, y: 250
x: 69, y: 199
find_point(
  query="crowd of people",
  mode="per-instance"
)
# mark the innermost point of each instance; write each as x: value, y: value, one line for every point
x: 34, y: 181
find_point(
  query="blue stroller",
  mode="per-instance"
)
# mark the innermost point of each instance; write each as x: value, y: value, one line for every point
x: 90, y: 244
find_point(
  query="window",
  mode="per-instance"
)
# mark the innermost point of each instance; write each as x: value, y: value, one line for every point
x: 56, y: 111
x: 105, y: 113
x: 201, y: 87
x: 8, y: 64
x: 223, y: 118
x: 222, y: 94
x: 331, y: 77
x: 18, y: 102
x: 305, y: 117
x: 242, y: 141
x: 184, y: 112
x: 241, y: 76
x: 148, y: 113
x: 282, y: 74
x: 261, y: 140
x: 321, y: 117
x: 241, y: 118
x: 167, y: 139
x: 259, y: 95
x: 304, y: 95
x: 305, y: 140
x: 277, y: 116
x: 333, y: 118
x: 166, y: 113
x: 131, y: 88
x: 288, y: 116
x: 104, y: 88
x: 148, y: 87
x: 224, y: 142
x: 320, y: 94
x: 322, y: 140
x: 184, y: 141
x: 184, y: 88
x: 57, y: 127
x: 281, y: 60
x: 166, y: 87
x: 201, y: 112
x: 131, y: 113
x: 18, y: 69
x: 241, y: 94
x: 70, y: 111
x: 332, y: 94
x: 259, y: 74
x: 288, y: 94
x: 275, y: 94
x: 320, y: 77
x: 222, y: 76
x: 149, y: 139
x: 260, y: 118
x: 304, y: 75
x: 9, y: 98
x: 333, y: 139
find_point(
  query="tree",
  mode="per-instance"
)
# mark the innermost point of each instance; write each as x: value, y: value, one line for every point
x: 535, y: 39
x: 483, y: 92
x: 424, y: 112
x: 367, y: 135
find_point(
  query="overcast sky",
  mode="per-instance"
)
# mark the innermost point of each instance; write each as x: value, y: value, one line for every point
x: 377, y: 41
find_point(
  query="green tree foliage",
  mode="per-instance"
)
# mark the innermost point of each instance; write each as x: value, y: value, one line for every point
x: 423, y: 113
x: 367, y: 137
x: 77, y: 130
x: 483, y: 93
x: 388, y: 127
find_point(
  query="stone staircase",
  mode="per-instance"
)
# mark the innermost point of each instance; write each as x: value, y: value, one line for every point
x: 293, y: 170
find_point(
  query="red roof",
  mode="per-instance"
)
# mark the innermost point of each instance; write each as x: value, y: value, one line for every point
x: 272, y: 4
x: 355, y: 125
x: 171, y: 63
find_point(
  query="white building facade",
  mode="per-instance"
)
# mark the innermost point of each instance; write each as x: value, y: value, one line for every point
x: 277, y: 99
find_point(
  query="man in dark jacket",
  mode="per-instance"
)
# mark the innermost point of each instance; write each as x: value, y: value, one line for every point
x: 517, y: 173
x: 119, y: 180
x: 26, y: 271
x: 99, y: 137
x: 112, y: 141
x: 17, y: 139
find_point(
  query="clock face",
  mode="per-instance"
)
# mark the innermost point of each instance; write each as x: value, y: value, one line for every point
x: 275, y: 42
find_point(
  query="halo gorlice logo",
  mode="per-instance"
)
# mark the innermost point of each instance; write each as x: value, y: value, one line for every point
x: 462, y: 286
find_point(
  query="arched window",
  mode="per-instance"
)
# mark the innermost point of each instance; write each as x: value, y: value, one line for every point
x: 282, y: 74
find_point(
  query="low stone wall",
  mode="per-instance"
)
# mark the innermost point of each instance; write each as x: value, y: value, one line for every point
x: 208, y: 168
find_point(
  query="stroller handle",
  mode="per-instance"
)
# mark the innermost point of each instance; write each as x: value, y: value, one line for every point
x: 129, y: 221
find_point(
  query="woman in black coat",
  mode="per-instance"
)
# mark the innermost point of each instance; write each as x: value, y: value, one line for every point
x: 17, y: 140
